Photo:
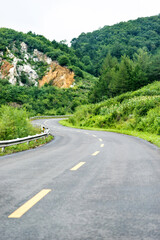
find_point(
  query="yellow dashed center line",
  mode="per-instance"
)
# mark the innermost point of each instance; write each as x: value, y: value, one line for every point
x: 77, y: 166
x: 94, y: 135
x: 100, y: 140
x: 102, y: 145
x: 30, y: 203
x: 95, y: 153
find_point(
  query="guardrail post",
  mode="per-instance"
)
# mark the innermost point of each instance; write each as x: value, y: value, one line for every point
x: 3, y: 149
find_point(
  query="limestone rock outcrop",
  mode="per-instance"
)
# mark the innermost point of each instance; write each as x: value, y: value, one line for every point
x: 39, y: 56
x: 26, y: 68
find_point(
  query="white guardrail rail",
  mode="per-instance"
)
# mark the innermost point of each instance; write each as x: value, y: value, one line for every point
x: 55, y: 116
x: 7, y: 143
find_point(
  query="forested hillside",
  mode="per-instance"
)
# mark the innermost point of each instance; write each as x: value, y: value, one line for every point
x: 47, y: 100
x: 119, y: 39
x: 125, y: 74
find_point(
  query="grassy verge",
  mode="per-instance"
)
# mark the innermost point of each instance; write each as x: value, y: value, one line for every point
x: 152, y: 138
x: 25, y: 146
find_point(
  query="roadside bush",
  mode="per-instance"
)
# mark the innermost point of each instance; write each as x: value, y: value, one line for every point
x: 151, y: 122
x: 14, y: 123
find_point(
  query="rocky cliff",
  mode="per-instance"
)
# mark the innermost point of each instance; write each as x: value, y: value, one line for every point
x: 19, y: 66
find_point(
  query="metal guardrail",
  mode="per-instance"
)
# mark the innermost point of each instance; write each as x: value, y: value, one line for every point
x: 54, y: 116
x: 7, y: 143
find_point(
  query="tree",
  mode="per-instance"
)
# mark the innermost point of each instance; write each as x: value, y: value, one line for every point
x: 123, y: 81
x: 63, y: 60
x: 154, y: 68
x: 102, y: 89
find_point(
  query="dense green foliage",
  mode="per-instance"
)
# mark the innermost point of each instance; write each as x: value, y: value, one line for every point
x: 138, y: 110
x: 47, y: 100
x: 125, y: 75
x: 119, y: 39
x: 14, y: 123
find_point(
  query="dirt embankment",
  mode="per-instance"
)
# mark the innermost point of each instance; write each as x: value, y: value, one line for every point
x: 6, y: 66
x: 58, y: 76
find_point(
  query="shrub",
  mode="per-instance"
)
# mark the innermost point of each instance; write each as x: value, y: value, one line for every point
x: 14, y: 123
x: 77, y: 71
x: 63, y: 60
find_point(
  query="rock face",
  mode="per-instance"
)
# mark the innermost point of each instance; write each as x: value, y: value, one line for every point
x: 58, y: 76
x: 8, y: 70
x: 12, y: 74
x: 25, y: 68
x: 5, y: 68
x: 38, y: 56
x: 23, y: 47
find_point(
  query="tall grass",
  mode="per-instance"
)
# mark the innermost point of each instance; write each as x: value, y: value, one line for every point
x: 135, y: 111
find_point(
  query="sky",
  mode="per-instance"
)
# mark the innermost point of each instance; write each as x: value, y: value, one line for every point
x: 66, y: 19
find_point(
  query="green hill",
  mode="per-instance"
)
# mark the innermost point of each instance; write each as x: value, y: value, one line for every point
x: 30, y: 56
x: 119, y: 39
x: 27, y: 59
x: 12, y: 39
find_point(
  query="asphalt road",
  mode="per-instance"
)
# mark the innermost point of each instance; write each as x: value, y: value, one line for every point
x: 84, y: 185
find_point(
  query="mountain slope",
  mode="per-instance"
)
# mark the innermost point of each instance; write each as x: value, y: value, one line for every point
x: 119, y: 39
x: 133, y: 111
x: 26, y: 58
x: 28, y: 61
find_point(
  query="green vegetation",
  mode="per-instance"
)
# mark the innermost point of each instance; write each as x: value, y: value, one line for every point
x: 63, y: 60
x: 125, y: 75
x: 124, y: 38
x: 14, y: 123
x: 48, y: 100
x: 41, y: 68
x: 137, y: 111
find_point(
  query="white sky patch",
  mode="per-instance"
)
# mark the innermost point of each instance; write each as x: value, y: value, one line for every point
x: 61, y: 19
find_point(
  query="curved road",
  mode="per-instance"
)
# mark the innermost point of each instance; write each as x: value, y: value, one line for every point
x: 84, y: 185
